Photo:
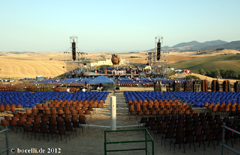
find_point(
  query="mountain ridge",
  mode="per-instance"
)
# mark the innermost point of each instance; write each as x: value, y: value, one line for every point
x: 196, y: 46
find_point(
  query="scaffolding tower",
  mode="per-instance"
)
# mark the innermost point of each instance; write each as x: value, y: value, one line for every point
x: 159, y: 67
x: 72, y: 66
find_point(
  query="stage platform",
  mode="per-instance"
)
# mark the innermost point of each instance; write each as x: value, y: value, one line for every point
x: 93, y: 75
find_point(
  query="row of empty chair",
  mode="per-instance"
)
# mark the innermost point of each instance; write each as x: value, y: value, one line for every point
x: 11, y: 107
x: 159, y: 107
x: 44, y: 124
x: 195, y: 128
x: 146, y: 95
x: 233, y: 109
x: 28, y: 99
x: 58, y: 117
x: 145, y: 82
x: 85, y: 96
x: 198, y: 99
x: 126, y: 82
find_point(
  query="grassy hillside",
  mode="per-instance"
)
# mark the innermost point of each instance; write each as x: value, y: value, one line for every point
x: 210, y: 63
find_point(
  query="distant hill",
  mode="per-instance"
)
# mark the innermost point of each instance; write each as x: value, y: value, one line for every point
x: 232, y: 45
x: 195, y: 46
x: 210, y: 63
x: 198, y: 45
x: 192, y: 43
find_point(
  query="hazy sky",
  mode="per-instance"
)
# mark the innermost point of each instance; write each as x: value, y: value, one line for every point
x: 114, y: 26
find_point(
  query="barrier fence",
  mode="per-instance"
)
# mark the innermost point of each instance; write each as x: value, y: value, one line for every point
x: 7, y: 148
x: 223, y: 138
x: 124, y: 142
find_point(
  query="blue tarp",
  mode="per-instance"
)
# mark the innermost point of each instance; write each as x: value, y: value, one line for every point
x: 159, y: 79
x: 72, y: 79
x: 87, y: 79
x: 101, y: 79
x: 81, y: 69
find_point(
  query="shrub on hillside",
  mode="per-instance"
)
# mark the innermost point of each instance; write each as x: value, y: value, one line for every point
x: 192, y: 77
x: 226, y: 74
x: 201, y: 71
x: 134, y: 57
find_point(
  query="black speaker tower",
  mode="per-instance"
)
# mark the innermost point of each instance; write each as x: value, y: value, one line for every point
x: 73, y: 50
x: 158, y: 50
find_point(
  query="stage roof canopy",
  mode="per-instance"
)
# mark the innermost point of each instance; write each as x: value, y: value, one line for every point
x: 101, y: 79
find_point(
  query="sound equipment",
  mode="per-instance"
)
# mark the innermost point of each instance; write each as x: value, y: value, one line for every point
x: 237, y: 86
x: 215, y: 85
x: 73, y: 50
x: 204, y: 85
x: 168, y: 86
x: 226, y: 85
x: 196, y: 86
x: 188, y: 86
x: 158, y: 50
x: 176, y: 86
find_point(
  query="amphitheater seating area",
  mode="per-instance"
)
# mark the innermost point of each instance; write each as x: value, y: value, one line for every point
x: 62, y: 116
x: 190, y: 129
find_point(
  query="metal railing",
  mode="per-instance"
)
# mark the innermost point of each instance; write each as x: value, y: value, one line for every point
x: 7, y: 148
x: 136, y: 141
x: 223, y: 138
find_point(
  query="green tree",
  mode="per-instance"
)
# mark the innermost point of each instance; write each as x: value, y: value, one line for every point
x: 213, y: 74
x: 201, y: 71
x: 223, y: 73
x: 192, y: 77
x: 232, y: 74
x: 217, y: 73
x: 207, y: 73
x: 170, y: 73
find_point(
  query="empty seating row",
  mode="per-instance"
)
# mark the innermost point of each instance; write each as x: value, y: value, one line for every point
x: 126, y: 82
x: 194, y: 128
x: 198, y: 99
x: 145, y: 81
x: 146, y: 95
x: 43, y: 124
x: 28, y: 99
